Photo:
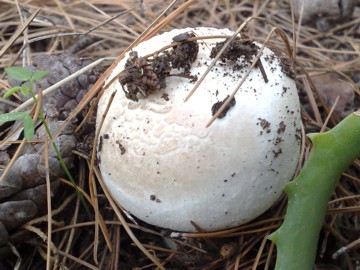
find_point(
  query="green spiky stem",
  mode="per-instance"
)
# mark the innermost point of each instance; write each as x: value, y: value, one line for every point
x: 308, y: 194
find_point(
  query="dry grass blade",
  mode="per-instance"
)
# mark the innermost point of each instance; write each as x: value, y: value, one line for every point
x: 48, y: 192
x: 81, y: 262
x: 124, y: 223
x: 164, y: 22
x: 346, y: 248
x: 15, y: 156
x: 19, y: 32
x: 313, y: 102
x: 92, y: 186
x: 329, y: 115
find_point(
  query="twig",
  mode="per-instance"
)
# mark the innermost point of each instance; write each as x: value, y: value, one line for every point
x: 345, y: 249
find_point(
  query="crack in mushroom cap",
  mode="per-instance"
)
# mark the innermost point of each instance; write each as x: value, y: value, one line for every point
x: 163, y: 165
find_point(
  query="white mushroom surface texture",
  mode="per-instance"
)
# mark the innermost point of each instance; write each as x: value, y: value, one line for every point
x: 157, y: 157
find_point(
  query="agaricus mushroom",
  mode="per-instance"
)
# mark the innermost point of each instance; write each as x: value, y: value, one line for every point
x: 160, y: 161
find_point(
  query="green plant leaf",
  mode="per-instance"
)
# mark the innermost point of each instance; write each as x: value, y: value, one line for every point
x: 24, y: 90
x: 29, y: 128
x: 37, y: 75
x: 12, y: 91
x: 19, y: 73
x: 12, y: 116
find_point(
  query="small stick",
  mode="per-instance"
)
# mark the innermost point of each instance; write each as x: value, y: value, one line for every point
x: 345, y: 249
x: 262, y: 70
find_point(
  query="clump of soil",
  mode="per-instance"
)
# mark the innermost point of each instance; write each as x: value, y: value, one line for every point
x: 145, y: 75
x: 217, y: 106
x: 239, y: 47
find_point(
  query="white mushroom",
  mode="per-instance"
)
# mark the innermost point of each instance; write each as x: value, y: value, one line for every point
x: 164, y: 166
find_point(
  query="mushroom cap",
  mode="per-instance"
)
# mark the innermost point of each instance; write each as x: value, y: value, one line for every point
x: 163, y: 165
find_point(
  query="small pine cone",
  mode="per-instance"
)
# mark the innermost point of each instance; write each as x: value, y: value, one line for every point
x: 14, y: 214
x: 4, y: 236
x: 36, y: 194
x: 61, y: 102
x: 23, y: 189
x: 10, y: 185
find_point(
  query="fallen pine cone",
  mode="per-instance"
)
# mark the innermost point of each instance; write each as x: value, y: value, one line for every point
x: 23, y: 189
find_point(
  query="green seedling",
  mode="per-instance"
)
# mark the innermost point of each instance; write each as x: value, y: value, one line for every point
x: 20, y: 116
x: 308, y: 194
x: 24, y: 75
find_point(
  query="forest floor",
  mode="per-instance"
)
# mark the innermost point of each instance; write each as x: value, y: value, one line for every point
x: 327, y: 66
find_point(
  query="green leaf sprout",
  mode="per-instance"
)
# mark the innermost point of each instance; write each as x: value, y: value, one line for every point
x: 23, y: 75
